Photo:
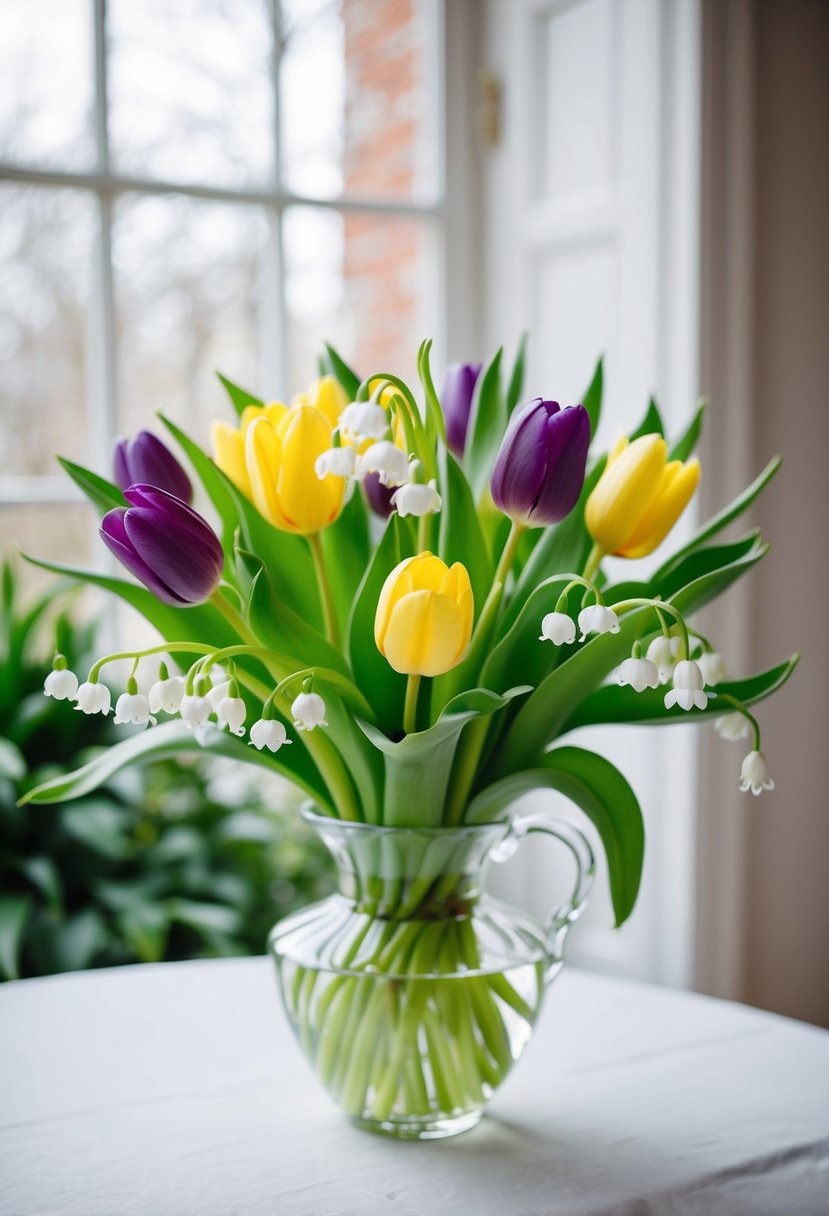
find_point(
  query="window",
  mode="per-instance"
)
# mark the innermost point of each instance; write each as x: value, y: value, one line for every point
x: 210, y: 184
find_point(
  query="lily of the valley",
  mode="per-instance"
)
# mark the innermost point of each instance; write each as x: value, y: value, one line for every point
x: 732, y: 727
x: 689, y: 683
x: 308, y: 710
x: 231, y: 709
x: 93, y: 698
x: 417, y: 499
x: 387, y: 460
x: 558, y: 628
x: 363, y: 420
x: 61, y: 683
x: 597, y: 618
x: 269, y: 733
x: 166, y: 693
x: 339, y: 461
x: 664, y: 652
x: 754, y: 774
x: 195, y: 709
x: 132, y: 707
x: 712, y: 666
x: 639, y: 674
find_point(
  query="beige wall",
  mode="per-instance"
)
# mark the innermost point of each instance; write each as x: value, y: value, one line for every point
x: 764, y: 863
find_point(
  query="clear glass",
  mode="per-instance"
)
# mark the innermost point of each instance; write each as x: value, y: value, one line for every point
x: 188, y: 288
x: 46, y: 82
x: 190, y: 90
x: 410, y: 992
x: 359, y: 281
x: 370, y: 132
x: 46, y: 242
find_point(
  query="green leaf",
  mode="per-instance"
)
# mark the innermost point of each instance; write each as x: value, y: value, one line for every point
x: 686, y: 443
x: 145, y: 926
x: 592, y: 399
x: 651, y: 424
x: 240, y: 397
x: 12, y: 761
x: 542, y: 716
x: 598, y: 789
x: 611, y: 703
x: 520, y: 655
x: 702, y: 561
x: 103, y: 494
x: 346, y: 548
x: 461, y: 537
x: 435, y: 422
x: 384, y: 687
x: 14, y: 912
x: 204, y: 917
x: 174, y: 739
x: 733, y: 511
x: 284, y: 631
x: 102, y: 827
x: 419, y: 765
x: 487, y: 423
x: 340, y: 369
x: 516, y: 380
x: 71, y: 945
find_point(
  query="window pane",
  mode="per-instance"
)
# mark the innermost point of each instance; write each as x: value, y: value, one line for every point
x: 361, y: 282
x: 191, y: 98
x: 63, y: 533
x: 370, y: 131
x: 187, y: 289
x: 46, y: 239
x: 46, y: 83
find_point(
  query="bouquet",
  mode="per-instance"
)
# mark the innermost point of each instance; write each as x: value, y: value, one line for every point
x: 402, y: 607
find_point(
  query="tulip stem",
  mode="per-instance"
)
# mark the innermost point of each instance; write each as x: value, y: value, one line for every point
x: 410, y: 704
x: 329, y: 610
x: 594, y: 561
x: 233, y: 617
x: 508, y: 553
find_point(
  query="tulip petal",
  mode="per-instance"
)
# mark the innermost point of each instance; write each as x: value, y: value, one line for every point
x: 425, y: 634
x: 228, y: 446
x: 114, y: 536
x: 146, y: 460
x: 521, y: 463
x: 178, y: 515
x: 568, y: 440
x: 676, y: 488
x: 625, y: 492
x: 262, y: 455
x: 172, y: 552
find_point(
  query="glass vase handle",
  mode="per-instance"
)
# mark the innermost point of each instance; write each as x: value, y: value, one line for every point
x: 560, y: 920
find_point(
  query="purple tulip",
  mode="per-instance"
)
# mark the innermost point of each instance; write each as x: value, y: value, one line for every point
x: 144, y: 460
x: 458, y: 389
x: 539, y: 469
x: 165, y: 544
x: 377, y: 495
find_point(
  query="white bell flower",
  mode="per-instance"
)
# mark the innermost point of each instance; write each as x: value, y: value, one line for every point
x: 309, y: 711
x: 665, y: 652
x: 712, y: 666
x: 386, y: 459
x: 132, y: 709
x: 416, y: 499
x: 638, y: 673
x: 61, y: 684
x: 231, y: 713
x: 93, y: 698
x: 558, y: 628
x: 363, y: 420
x: 754, y: 774
x: 732, y: 727
x: 166, y: 695
x: 269, y: 733
x: 687, y: 691
x: 217, y: 693
x: 597, y: 619
x: 195, y: 709
x: 339, y: 461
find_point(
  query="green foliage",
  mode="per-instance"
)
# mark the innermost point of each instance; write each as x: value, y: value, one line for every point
x: 178, y: 860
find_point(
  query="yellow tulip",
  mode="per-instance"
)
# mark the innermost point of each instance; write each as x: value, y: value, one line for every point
x: 327, y: 394
x: 280, y: 460
x: 639, y: 497
x: 424, y: 616
x: 228, y: 442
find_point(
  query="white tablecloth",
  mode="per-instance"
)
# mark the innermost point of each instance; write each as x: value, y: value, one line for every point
x: 178, y: 1089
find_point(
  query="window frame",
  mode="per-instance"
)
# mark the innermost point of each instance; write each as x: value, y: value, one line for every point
x: 106, y: 185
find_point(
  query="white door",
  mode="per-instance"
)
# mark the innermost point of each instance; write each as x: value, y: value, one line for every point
x: 591, y: 244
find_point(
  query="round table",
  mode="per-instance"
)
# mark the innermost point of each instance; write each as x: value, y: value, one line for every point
x: 178, y: 1089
